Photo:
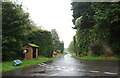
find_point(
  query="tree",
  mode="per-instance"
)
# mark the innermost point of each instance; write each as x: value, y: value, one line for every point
x: 71, y: 47
x: 98, y: 28
x: 58, y: 45
x: 61, y: 46
x: 83, y: 9
x: 43, y: 39
x: 15, y: 28
x: 107, y: 23
x: 56, y: 40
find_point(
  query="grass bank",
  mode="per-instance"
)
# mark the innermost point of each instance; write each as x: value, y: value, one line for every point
x: 95, y: 58
x: 6, y: 66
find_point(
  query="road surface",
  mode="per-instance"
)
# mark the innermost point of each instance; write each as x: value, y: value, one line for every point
x: 65, y: 65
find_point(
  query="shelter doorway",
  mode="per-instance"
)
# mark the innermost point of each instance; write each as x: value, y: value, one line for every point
x: 34, y: 52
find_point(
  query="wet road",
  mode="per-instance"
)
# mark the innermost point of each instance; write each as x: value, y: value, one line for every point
x: 65, y: 65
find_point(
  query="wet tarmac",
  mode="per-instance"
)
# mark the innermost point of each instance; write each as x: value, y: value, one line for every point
x: 65, y: 65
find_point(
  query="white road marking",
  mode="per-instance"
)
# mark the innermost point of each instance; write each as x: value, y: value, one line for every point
x: 110, y: 73
x: 94, y: 71
x: 42, y: 64
x: 59, y: 69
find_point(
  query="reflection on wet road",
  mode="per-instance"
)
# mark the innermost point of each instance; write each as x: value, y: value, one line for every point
x: 65, y: 65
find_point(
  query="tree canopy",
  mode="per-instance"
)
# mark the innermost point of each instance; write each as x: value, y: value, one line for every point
x: 43, y: 39
x: 15, y: 28
x: 58, y: 45
x: 97, y: 31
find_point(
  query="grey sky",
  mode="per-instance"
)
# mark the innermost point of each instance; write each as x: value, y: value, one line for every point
x: 52, y: 14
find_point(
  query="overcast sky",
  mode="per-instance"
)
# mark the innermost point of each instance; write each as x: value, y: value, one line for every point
x: 52, y: 14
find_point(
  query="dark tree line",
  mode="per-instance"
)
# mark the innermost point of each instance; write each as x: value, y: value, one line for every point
x: 15, y: 29
x: 98, y: 28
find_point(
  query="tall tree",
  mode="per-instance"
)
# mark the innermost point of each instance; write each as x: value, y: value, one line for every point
x: 107, y: 23
x: 61, y: 46
x: 56, y: 40
x: 15, y: 28
x: 58, y: 45
x: 98, y: 29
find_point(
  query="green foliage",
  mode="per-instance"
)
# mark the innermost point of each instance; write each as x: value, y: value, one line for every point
x: 56, y: 40
x: 17, y: 31
x: 61, y: 46
x: 83, y: 9
x: 43, y: 39
x: 107, y: 21
x: 99, y: 24
x: 58, y: 45
x: 71, y: 47
x: 96, y: 48
x: 15, y: 28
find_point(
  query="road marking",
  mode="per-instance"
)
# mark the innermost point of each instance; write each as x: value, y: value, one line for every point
x: 110, y: 73
x: 94, y: 71
x: 42, y: 64
x: 59, y: 69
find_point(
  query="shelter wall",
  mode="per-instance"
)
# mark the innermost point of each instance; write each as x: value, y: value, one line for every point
x: 29, y: 54
x: 36, y: 52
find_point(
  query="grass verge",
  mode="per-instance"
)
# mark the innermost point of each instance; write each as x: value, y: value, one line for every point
x: 6, y: 66
x: 95, y: 58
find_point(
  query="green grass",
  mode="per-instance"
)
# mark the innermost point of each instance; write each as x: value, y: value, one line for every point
x: 94, y: 58
x: 6, y: 66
